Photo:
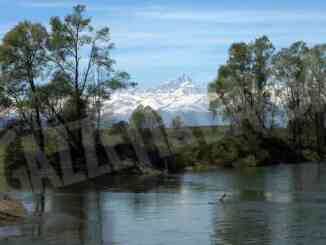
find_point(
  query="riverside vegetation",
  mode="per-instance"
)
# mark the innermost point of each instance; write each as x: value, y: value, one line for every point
x: 273, y: 102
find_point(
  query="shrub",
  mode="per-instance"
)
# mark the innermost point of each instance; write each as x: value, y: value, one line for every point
x: 226, y: 151
x: 249, y: 161
x: 310, y: 155
x: 180, y: 163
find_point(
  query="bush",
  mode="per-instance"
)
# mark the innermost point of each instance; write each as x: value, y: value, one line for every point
x: 262, y: 156
x: 179, y: 163
x: 310, y: 155
x: 229, y: 150
x: 249, y: 161
x: 121, y: 128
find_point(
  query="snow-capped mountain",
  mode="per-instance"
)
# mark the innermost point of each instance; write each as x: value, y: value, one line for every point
x: 180, y: 97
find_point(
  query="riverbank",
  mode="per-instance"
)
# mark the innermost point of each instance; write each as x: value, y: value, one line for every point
x: 192, y: 149
x: 239, y: 151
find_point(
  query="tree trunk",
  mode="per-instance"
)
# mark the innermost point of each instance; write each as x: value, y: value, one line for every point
x: 319, y: 133
x: 39, y: 129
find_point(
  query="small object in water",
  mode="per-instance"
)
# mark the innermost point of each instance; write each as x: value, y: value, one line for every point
x: 223, y: 197
x: 268, y: 195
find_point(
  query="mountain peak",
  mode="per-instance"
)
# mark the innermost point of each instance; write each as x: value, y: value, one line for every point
x: 178, y: 97
x: 180, y: 80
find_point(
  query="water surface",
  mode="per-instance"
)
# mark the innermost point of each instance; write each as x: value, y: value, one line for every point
x: 278, y: 205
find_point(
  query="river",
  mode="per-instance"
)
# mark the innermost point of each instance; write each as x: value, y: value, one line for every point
x: 283, y: 204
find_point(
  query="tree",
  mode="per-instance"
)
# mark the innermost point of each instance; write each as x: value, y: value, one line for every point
x: 315, y: 63
x: 59, y: 77
x: 5, y: 101
x: 81, y: 54
x: 56, y: 97
x: 289, y: 71
x: 146, y: 118
x: 147, y: 128
x: 102, y: 90
x: 23, y: 61
x: 241, y: 87
x: 149, y: 125
x: 121, y: 129
x: 256, y: 82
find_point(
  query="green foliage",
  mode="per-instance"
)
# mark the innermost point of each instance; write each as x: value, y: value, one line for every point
x: 120, y: 80
x: 310, y: 155
x: 240, y: 87
x: 146, y: 126
x: 23, y: 53
x: 240, y: 151
x: 14, y: 159
x: 23, y: 48
x: 199, y: 135
x: 249, y: 88
x: 182, y: 160
x: 121, y: 128
x: 5, y: 101
x: 227, y: 151
x: 71, y: 90
x: 69, y: 112
x: 22, y: 59
x: 256, y: 84
x: 248, y: 161
x: 75, y: 35
x: 145, y: 118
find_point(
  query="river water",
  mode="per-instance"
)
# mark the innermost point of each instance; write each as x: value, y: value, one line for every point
x: 278, y: 205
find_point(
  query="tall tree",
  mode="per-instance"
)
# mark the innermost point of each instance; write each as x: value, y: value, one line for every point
x: 289, y: 71
x: 149, y: 124
x: 82, y: 53
x: 241, y: 85
x: 315, y: 70
x: 23, y: 61
x: 102, y: 90
x: 57, y: 74
x: 5, y: 101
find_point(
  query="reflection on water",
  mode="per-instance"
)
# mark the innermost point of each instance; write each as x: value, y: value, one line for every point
x: 274, y: 205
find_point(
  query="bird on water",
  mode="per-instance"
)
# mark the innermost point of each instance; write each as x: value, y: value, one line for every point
x: 222, y: 198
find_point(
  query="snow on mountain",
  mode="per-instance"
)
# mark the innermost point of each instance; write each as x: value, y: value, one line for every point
x: 180, y: 97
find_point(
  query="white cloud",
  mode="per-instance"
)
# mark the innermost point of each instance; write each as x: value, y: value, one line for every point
x: 154, y: 39
x: 235, y: 16
x: 47, y: 3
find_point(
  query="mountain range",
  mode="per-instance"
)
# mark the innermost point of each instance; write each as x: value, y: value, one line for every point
x: 180, y: 97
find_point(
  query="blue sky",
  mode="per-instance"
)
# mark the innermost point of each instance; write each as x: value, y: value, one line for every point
x: 163, y: 39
